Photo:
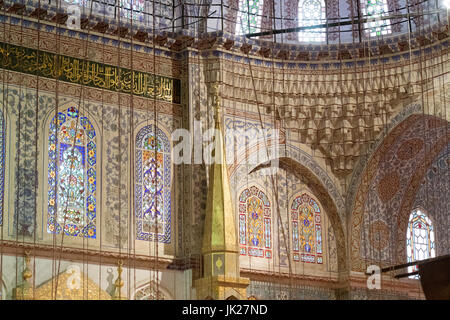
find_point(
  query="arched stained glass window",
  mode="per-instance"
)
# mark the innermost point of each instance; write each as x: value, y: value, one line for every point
x: 153, y: 200
x: 2, y: 164
x: 249, y: 16
x: 420, y: 241
x: 255, y: 237
x: 72, y: 154
x: 306, y: 229
x: 311, y: 13
x: 375, y: 9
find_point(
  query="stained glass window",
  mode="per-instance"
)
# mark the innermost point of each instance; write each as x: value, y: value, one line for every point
x: 249, y: 16
x: 306, y: 230
x: 2, y: 164
x: 374, y: 9
x: 420, y: 243
x: 72, y: 153
x: 310, y: 13
x: 255, y: 236
x: 153, y: 200
x: 132, y: 9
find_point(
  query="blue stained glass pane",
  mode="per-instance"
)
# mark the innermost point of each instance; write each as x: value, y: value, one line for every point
x: 152, y: 189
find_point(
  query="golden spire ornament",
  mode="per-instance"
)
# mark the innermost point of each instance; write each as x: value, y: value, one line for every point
x: 118, y: 284
x: 25, y: 290
x: 220, y: 250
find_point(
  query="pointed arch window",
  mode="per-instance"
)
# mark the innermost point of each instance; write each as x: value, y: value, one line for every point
x: 72, y: 174
x: 306, y: 229
x: 152, y: 189
x: 375, y: 10
x: 2, y: 164
x: 249, y: 16
x: 311, y: 13
x: 255, y: 236
x: 420, y: 239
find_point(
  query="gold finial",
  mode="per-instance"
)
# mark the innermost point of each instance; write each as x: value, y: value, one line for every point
x: 117, y: 294
x: 25, y: 290
x: 27, y: 273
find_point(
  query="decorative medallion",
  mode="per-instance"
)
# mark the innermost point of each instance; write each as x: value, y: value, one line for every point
x: 388, y: 186
x: 409, y: 149
x: 379, y: 235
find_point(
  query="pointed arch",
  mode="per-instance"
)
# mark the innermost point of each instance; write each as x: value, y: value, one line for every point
x: 72, y: 175
x: 295, y: 160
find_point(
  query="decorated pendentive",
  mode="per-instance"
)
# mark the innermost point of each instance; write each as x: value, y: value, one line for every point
x: 255, y: 221
x: 152, y: 187
x: 306, y: 229
x: 72, y: 181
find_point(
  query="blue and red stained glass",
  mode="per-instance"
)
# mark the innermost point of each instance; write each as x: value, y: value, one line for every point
x: 71, y: 175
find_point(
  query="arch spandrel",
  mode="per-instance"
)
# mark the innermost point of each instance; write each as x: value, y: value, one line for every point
x: 388, y: 187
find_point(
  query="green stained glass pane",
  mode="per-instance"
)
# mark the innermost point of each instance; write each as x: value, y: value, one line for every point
x: 249, y: 16
x: 376, y: 9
